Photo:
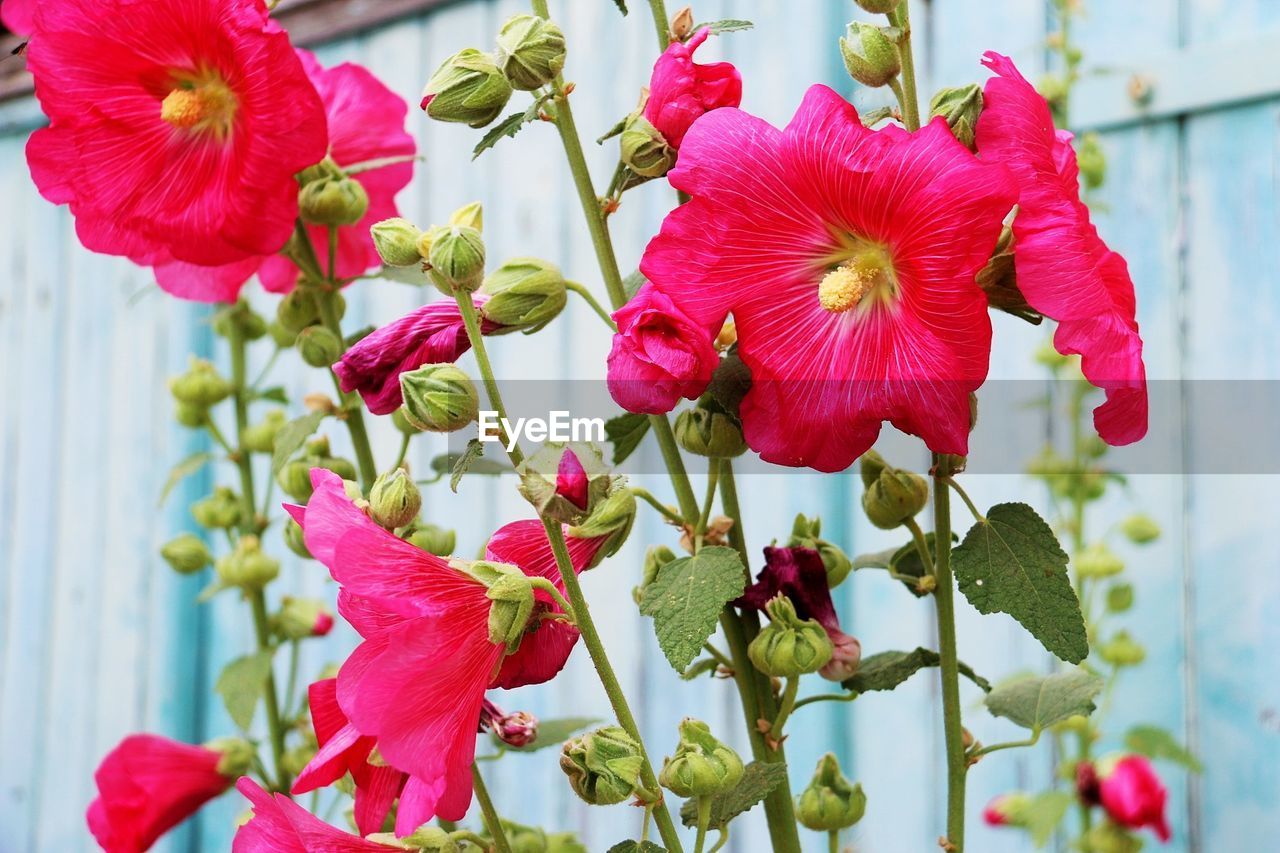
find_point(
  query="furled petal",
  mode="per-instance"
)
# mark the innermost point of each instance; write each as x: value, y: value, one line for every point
x: 681, y: 90
x: 279, y: 825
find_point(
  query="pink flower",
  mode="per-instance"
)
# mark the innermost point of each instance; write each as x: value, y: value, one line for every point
x: 431, y: 334
x: 1006, y: 810
x: 175, y: 131
x: 681, y: 90
x: 279, y: 825
x: 798, y: 574
x: 659, y: 355
x: 148, y: 785
x: 18, y: 15
x: 324, y: 624
x: 1064, y: 269
x: 847, y: 257
x: 571, y: 479
x: 1129, y: 790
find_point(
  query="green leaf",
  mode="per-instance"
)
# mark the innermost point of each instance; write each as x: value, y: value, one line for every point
x: 275, y: 394
x: 1155, y: 742
x: 622, y: 5
x: 702, y: 666
x: 625, y: 432
x: 241, y: 684
x: 613, y: 131
x: 1012, y: 563
x: 636, y: 846
x: 508, y: 127
x: 886, y: 670
x: 726, y: 25
x: 554, y: 732
x: 1044, y: 813
x: 1040, y: 701
x: 291, y: 436
x: 447, y: 463
x: 184, y: 469
x: 632, y: 283
x: 467, y: 461
x: 907, y: 562
x: 686, y: 598
x: 875, y: 560
x: 758, y: 781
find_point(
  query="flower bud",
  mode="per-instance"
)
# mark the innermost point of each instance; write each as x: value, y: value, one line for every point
x: 611, y: 517
x: 518, y: 729
x: 706, y: 432
x: 960, y: 106
x: 220, y: 510
x: 702, y: 765
x: 1092, y: 161
x: 297, y: 310
x: 870, y: 464
x: 300, y: 618
x: 564, y: 482
x: 654, y: 559
x: 439, y: 398
x: 1140, y: 529
x: 401, y: 423
x: 469, y: 216
x: 644, y: 149
x: 1098, y: 561
x: 894, y: 497
x: 530, y: 52
x: 878, y: 7
x: 433, y: 540
x: 333, y: 202
x: 344, y: 468
x: 682, y: 23
x: 870, y: 56
x: 804, y: 534
x: 261, y: 437
x: 831, y: 802
x: 236, y: 755
x: 396, y: 240
x: 789, y: 646
x: 294, y: 539
x: 294, y: 478
x: 1119, y: 597
x: 1008, y: 810
x: 247, y: 566
x: 186, y: 554
x: 456, y: 258
x: 603, y: 766
x: 189, y: 415
x: 1107, y: 837
x: 425, y: 839
x: 524, y: 294
x: 318, y: 346
x: 469, y: 87
x: 1123, y: 650
x: 511, y: 594
x: 394, y: 500
x: 295, y: 760
x: 201, y: 386
x: 241, y: 320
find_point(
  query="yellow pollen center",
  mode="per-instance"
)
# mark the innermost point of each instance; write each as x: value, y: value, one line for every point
x: 844, y: 287
x: 182, y: 108
x: 202, y: 103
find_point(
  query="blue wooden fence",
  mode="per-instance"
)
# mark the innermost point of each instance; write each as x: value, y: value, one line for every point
x: 98, y: 638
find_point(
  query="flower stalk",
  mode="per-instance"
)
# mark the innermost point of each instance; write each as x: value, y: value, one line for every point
x: 944, y: 602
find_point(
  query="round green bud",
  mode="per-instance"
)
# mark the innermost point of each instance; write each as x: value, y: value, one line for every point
x: 702, y: 766
x: 878, y: 7
x: 282, y: 337
x: 394, y: 500
x: 524, y: 294
x: 318, y: 346
x: 831, y: 802
x: 239, y: 319
x: 1098, y: 561
x: 236, y: 755
x: 344, y: 468
x: 565, y: 482
x: 1123, y: 650
x: 300, y: 618
x: 261, y: 437
x: 511, y: 595
x: 295, y: 540
x: 870, y: 464
x: 789, y: 646
x: 433, y: 539
x: 469, y: 215
x: 401, y: 423
x: 869, y: 54
x: 603, y: 766
x: 531, y: 51
x: 654, y: 559
x: 456, y: 258
x: 333, y: 202
x: 247, y: 566
x: 397, y: 242
x: 706, y: 432
x: 960, y: 106
x: 468, y: 87
x: 295, y: 479
x: 201, y: 386
x: 1092, y: 161
x: 220, y: 510
x: 190, y: 415
x: 804, y: 534
x: 1110, y: 837
x: 425, y: 839
x: 1140, y: 529
x: 894, y: 497
x: 297, y: 310
x: 439, y: 398
x: 1119, y: 597
x: 186, y: 554
x: 612, y: 516
x: 644, y: 149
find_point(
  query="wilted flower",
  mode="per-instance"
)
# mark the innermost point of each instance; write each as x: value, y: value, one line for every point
x: 681, y: 90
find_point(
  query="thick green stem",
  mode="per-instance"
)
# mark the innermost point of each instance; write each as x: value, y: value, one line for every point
x: 275, y: 724
x: 901, y: 18
x: 944, y: 601
x: 492, y: 823
x: 833, y: 841
x: 353, y: 410
x: 471, y: 320
x: 661, y: 23
x: 582, y: 291
x: 704, y: 818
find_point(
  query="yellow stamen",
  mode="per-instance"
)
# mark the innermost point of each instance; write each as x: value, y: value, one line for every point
x: 182, y: 108
x: 844, y: 287
x: 200, y: 103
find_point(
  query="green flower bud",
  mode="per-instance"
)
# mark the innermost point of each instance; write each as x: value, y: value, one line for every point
x: 297, y: 310
x: 557, y: 477
x: 530, y: 52
x: 603, y: 766
x: 702, y: 765
x: 261, y: 437
x: 562, y: 842
x: 831, y: 802
x: 425, y: 839
x: 300, y: 618
x: 433, y: 539
x: 394, y: 500
x: 456, y: 258
x: 789, y: 646
x: 524, y: 294
x: 293, y: 538
x: 644, y: 149
x: 1123, y: 650
x: 201, y: 386
x: 654, y: 559
x: 186, y: 554
x: 704, y: 431
x: 1108, y: 837
x: 960, y: 106
x: 240, y: 319
x: 190, y: 415
x: 397, y: 242
x: 870, y: 464
x: 401, y: 423
x: 439, y: 398
x: 524, y: 839
x: 878, y: 7
x: 511, y: 593
x: 469, y: 87
x: 333, y: 202
x: 469, y: 216
x: 296, y: 759
x: 612, y: 516
x: 1140, y: 529
x: 869, y: 55
x: 344, y: 468
x: 1119, y: 597
x: 1092, y: 161
x: 220, y: 510
x: 295, y: 479
x: 247, y: 566
x: 804, y: 534
x: 894, y: 497
x: 318, y: 346
x: 1098, y: 561
x: 237, y: 755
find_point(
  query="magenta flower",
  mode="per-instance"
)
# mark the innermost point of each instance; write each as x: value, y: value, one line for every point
x: 659, y: 355
x: 18, y: 15
x: 571, y: 479
x: 798, y: 574
x: 432, y: 334
x: 681, y: 90
x: 1129, y: 790
x: 148, y: 785
x: 279, y: 825
x: 1063, y: 268
x: 847, y: 257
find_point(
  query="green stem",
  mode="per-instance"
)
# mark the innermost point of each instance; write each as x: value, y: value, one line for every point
x: 404, y: 451
x: 492, y: 823
x: 550, y: 589
x: 667, y: 512
x: 472, y: 322
x: 1013, y: 744
x: 704, y: 818
x: 833, y: 841
x: 582, y: 291
x: 675, y: 467
x: 354, y: 411
x: 784, y: 711
x: 661, y: 23
x: 901, y: 18
x: 704, y: 518
x: 922, y: 544
x: 826, y: 697
x: 968, y: 501
x: 291, y: 682
x: 944, y: 600
x: 275, y: 725
x: 719, y: 656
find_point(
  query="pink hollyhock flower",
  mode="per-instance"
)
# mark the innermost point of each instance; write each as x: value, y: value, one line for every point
x: 1064, y: 269
x: 148, y: 785
x: 175, y: 130
x: 279, y: 825
x: 847, y: 257
x: 366, y: 122
x: 571, y: 479
x: 659, y: 355
x: 681, y: 90
x: 18, y: 15
x: 431, y: 334
x: 798, y: 574
x: 1129, y: 790
x: 417, y: 682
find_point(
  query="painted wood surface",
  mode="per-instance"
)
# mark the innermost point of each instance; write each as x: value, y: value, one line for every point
x: 100, y: 639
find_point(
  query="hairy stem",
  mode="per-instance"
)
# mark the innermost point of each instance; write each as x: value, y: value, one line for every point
x: 944, y: 601
x: 492, y: 822
x: 354, y: 413
x: 661, y: 23
x: 901, y: 18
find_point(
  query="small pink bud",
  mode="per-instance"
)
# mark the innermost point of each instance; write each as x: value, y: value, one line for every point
x: 323, y: 625
x: 518, y: 729
x: 1007, y: 810
x: 571, y: 480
